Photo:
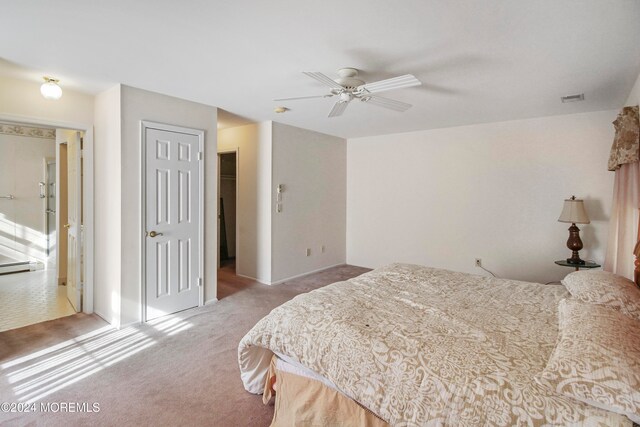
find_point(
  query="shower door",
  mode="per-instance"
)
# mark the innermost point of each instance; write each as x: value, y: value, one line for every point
x: 11, y: 258
x: 23, y: 236
x: 8, y: 254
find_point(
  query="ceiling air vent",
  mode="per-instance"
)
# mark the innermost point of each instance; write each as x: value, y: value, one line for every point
x: 573, y: 98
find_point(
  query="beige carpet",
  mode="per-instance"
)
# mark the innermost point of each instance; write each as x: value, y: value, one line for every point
x: 180, y: 370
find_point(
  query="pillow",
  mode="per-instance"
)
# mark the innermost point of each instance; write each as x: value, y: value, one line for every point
x: 602, y: 287
x: 596, y: 359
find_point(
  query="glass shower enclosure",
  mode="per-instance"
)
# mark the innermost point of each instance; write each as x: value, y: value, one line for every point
x: 27, y: 212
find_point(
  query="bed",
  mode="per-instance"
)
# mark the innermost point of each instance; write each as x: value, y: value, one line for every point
x: 408, y: 345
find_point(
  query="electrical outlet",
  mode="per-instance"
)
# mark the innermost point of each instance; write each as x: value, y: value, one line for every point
x: 478, y: 262
x: 308, y: 251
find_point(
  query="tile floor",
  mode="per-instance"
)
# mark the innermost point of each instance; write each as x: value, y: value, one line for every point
x: 31, y: 297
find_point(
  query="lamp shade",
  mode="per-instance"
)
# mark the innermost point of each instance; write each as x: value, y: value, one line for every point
x: 573, y: 211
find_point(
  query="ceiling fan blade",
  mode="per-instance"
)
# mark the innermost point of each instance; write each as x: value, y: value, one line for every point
x: 304, y: 97
x: 338, y: 109
x: 323, y: 79
x: 399, y: 82
x: 391, y: 104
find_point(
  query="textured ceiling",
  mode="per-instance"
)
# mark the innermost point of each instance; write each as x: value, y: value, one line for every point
x: 479, y: 61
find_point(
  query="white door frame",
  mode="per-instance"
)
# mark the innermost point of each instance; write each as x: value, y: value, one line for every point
x: 144, y: 125
x: 87, y: 199
x: 237, y: 231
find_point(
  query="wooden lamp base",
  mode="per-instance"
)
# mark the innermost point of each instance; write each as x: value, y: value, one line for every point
x: 575, y: 244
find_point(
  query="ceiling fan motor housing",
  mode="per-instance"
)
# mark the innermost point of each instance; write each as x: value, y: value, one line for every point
x: 348, y: 78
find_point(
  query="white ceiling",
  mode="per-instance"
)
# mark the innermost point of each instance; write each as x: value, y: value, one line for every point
x: 479, y: 61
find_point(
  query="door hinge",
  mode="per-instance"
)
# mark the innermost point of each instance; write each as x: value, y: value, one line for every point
x: 200, y: 281
x: 200, y: 155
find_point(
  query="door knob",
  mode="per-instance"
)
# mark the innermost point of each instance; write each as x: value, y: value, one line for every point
x: 153, y: 234
x: 67, y: 226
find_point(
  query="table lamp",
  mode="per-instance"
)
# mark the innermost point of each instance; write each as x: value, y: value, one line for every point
x: 573, y: 212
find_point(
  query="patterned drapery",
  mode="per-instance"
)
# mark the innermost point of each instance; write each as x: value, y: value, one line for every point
x: 625, y: 209
x: 626, y: 144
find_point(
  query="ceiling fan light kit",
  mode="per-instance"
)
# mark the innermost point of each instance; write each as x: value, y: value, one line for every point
x: 348, y: 87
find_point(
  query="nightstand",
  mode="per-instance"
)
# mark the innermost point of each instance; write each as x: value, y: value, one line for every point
x: 587, y: 264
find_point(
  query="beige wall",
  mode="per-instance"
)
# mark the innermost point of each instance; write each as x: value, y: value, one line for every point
x: 253, y: 244
x: 119, y: 112
x: 23, y: 98
x: 312, y: 167
x: 271, y: 246
x: 138, y: 105
x: 107, y: 205
x: 493, y: 191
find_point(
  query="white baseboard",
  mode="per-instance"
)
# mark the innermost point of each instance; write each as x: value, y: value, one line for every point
x: 134, y: 323
x: 102, y: 316
x: 211, y: 301
x: 253, y: 278
x: 116, y: 324
x: 305, y: 274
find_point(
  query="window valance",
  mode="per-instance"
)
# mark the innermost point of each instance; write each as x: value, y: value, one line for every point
x: 626, y: 144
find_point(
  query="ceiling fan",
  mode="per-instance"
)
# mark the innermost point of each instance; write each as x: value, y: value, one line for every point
x: 348, y: 87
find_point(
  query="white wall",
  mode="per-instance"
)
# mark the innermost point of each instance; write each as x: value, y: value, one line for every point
x: 492, y: 191
x: 108, y: 206
x: 634, y: 95
x: 23, y: 98
x: 253, y: 244
x: 138, y: 105
x: 312, y: 168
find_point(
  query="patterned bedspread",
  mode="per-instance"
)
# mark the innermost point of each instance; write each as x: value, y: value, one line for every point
x: 421, y: 346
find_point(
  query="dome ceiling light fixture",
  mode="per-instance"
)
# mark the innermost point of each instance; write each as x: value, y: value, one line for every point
x: 50, y: 88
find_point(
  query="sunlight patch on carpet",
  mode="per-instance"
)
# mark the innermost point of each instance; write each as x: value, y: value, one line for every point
x: 41, y: 373
x: 170, y: 325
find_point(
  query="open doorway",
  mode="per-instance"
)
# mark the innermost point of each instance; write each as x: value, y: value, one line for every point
x: 40, y: 216
x: 227, y: 202
x: 228, y: 229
